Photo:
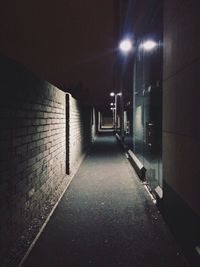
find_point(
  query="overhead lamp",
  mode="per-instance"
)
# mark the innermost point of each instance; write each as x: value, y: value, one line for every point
x: 112, y: 94
x: 149, y: 45
x: 119, y: 94
x: 125, y: 45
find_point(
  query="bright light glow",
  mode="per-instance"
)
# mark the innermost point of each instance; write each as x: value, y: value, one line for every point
x: 112, y: 108
x: 113, y: 94
x: 149, y: 45
x: 112, y: 104
x: 125, y: 45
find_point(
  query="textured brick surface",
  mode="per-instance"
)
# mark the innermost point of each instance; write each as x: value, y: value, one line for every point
x: 80, y: 134
x: 36, y: 127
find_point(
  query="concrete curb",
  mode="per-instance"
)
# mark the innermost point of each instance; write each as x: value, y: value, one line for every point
x: 135, y: 162
x: 138, y: 166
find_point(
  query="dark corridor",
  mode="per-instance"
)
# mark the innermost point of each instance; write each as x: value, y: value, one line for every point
x: 106, y: 218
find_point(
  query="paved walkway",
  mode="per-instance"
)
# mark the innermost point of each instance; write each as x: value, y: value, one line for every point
x: 105, y: 219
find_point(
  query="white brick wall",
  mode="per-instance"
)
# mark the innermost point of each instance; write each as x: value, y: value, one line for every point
x: 44, y: 133
x: 32, y: 149
x: 79, y: 132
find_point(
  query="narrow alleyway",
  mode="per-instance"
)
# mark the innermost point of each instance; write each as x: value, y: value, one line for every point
x: 105, y: 219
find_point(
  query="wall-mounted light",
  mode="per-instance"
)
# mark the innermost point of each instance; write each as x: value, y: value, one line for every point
x: 125, y: 45
x: 112, y: 94
x: 148, y: 45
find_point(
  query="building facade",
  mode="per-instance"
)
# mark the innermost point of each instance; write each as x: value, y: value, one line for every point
x: 161, y: 125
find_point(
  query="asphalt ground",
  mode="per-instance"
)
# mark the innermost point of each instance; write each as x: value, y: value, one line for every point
x: 106, y: 218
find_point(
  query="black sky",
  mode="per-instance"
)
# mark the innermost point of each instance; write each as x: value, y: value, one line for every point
x: 66, y: 42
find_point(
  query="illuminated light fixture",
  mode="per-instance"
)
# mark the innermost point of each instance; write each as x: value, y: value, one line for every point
x: 112, y: 104
x: 112, y: 108
x: 149, y: 45
x: 125, y: 45
x: 113, y: 94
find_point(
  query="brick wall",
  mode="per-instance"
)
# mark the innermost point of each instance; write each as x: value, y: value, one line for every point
x: 79, y: 131
x: 34, y: 131
x: 93, y: 124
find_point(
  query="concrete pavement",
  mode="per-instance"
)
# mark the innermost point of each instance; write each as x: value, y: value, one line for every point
x: 106, y: 218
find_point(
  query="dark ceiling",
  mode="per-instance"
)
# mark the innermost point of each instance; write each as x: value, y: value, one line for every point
x: 69, y: 43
